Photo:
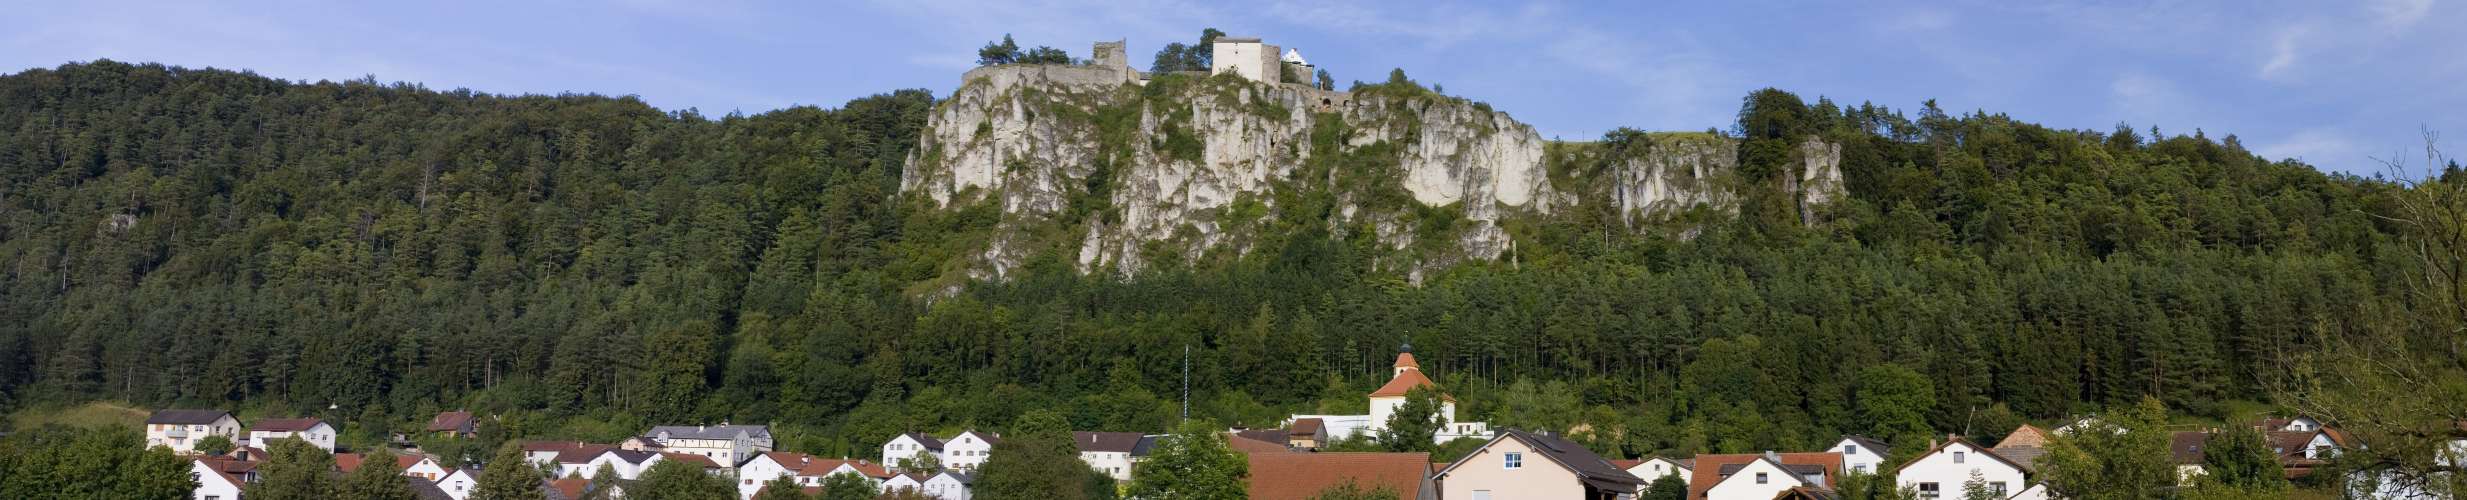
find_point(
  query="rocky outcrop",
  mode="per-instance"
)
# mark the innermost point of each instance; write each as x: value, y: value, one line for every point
x: 1187, y: 166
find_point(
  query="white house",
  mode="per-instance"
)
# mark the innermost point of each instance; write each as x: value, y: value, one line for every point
x: 766, y: 467
x: 1860, y: 455
x: 460, y: 483
x: 967, y: 450
x: 2298, y: 424
x: 727, y: 445
x: 313, y: 430
x: 180, y: 429
x: 1655, y: 468
x: 213, y: 483
x: 1407, y: 376
x: 423, y: 467
x: 1944, y: 471
x: 824, y: 468
x: 627, y: 464
x: 906, y: 446
x: 1108, y: 452
x: 948, y: 485
x: 1761, y: 477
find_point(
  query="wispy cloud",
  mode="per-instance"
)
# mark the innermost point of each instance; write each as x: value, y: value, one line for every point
x: 2285, y: 47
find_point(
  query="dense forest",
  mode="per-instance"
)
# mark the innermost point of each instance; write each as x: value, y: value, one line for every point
x: 587, y: 266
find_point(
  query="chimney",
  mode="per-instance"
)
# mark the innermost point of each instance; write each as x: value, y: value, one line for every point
x: 700, y: 427
x: 1775, y: 457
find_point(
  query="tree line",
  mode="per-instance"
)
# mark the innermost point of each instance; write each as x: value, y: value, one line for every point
x: 586, y: 266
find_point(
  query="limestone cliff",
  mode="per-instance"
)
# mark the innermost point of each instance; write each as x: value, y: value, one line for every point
x: 1088, y: 161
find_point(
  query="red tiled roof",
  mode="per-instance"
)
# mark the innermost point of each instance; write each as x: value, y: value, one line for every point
x: 821, y: 467
x: 1708, y: 468
x: 284, y: 424
x: 2026, y: 435
x: 1248, y: 445
x: 452, y: 421
x: 347, y: 462
x: 1627, y: 464
x: 2185, y: 446
x: 1405, y: 360
x: 572, y: 487
x: 1277, y: 476
x: 1407, y: 381
x: 1306, y: 426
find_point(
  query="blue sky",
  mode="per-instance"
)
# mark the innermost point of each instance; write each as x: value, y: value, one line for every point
x: 2337, y: 83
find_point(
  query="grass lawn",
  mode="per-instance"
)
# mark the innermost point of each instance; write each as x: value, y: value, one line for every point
x: 89, y: 415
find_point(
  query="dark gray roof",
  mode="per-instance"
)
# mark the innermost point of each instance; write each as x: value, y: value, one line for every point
x: 963, y: 476
x: 926, y: 439
x: 186, y: 417
x: 709, y: 431
x: 427, y: 490
x: 633, y: 456
x: 1146, y: 444
x: 1590, y: 468
x: 1877, y: 447
x: 1117, y: 442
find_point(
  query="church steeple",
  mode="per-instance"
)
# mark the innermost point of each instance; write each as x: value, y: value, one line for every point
x: 1404, y: 359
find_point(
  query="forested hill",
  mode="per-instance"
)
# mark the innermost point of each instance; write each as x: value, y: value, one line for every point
x: 587, y: 265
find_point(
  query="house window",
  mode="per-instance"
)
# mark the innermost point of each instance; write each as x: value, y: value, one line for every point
x: 1929, y: 490
x: 1959, y: 457
x: 1996, y: 487
x: 1859, y: 468
x: 1760, y: 478
x: 1481, y: 494
x: 1514, y: 460
x: 1850, y: 449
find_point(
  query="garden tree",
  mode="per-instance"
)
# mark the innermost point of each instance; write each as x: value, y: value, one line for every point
x: 1180, y: 57
x: 509, y: 476
x: 1894, y: 401
x: 61, y: 463
x: 2399, y: 391
x: 1667, y: 487
x: 680, y: 480
x: 1868, y: 486
x: 2239, y: 456
x: 380, y: 477
x: 213, y: 444
x: 2121, y: 453
x: 1193, y: 463
x: 1036, y: 459
x: 1414, y: 425
x: 786, y: 488
x: 922, y: 462
x: 1977, y: 488
x: 848, y: 486
x: 904, y: 494
x: 294, y: 470
x: 1351, y: 490
x: 1004, y: 52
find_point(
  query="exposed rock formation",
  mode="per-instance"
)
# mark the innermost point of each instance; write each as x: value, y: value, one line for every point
x: 1187, y: 166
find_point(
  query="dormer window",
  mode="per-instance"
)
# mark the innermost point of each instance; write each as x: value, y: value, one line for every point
x: 1850, y: 449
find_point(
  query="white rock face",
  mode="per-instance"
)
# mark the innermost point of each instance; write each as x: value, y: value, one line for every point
x: 1028, y: 137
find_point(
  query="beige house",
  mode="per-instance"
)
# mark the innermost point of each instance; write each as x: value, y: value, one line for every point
x: 180, y: 429
x: 1519, y: 464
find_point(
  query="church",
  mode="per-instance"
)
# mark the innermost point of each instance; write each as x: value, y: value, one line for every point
x: 1406, y: 377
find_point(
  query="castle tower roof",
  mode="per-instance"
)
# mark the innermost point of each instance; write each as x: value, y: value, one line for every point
x: 1405, y: 360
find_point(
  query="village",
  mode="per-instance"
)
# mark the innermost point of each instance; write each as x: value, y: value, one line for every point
x: 1284, y: 463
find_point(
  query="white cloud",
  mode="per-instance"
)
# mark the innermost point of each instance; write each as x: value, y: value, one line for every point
x: 2285, y: 46
x: 2320, y: 147
x: 2399, y: 13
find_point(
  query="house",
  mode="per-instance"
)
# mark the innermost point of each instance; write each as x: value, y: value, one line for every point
x: 768, y: 466
x: 1518, y: 464
x: 627, y: 464
x: 1655, y: 468
x: 947, y: 485
x: 1305, y: 433
x: 562, y: 457
x: 1244, y: 56
x: 1761, y: 476
x: 1807, y: 493
x: 906, y: 446
x: 1108, y: 452
x: 967, y: 450
x: 2297, y: 424
x: 460, y: 483
x: 419, y: 466
x: 313, y: 430
x: 823, y: 468
x: 2036, y: 491
x: 2025, y: 445
x: 1247, y: 444
x: 1406, y: 376
x: 1944, y: 471
x: 214, y: 479
x: 180, y: 429
x: 1299, y: 476
x: 2184, y: 449
x: 2300, y: 452
x: 727, y: 445
x: 453, y: 424
x: 1861, y: 455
